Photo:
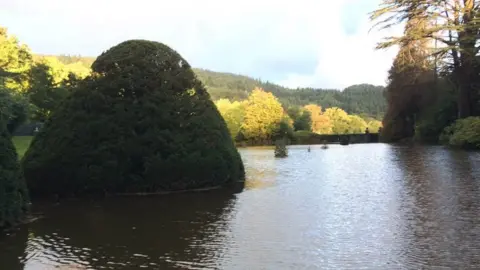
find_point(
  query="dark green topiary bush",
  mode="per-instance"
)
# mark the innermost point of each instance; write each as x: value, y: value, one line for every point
x: 142, y: 122
x: 13, y: 192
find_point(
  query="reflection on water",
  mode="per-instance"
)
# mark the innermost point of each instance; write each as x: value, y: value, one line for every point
x: 369, y: 206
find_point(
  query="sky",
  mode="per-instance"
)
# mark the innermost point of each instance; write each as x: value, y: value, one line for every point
x: 303, y: 43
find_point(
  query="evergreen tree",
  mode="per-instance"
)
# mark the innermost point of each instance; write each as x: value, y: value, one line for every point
x: 454, y: 24
x: 13, y: 192
x: 142, y: 122
x: 303, y: 121
x: 410, y: 72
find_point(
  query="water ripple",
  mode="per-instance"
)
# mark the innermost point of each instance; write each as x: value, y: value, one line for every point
x: 371, y: 206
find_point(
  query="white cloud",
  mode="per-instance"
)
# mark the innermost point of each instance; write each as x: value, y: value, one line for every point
x: 345, y: 59
x: 295, y: 43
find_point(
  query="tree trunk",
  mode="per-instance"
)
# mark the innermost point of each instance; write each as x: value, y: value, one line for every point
x: 467, y: 80
x: 464, y: 100
x: 467, y: 40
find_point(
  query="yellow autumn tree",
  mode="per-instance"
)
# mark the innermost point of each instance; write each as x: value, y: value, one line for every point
x: 321, y: 123
x: 60, y: 71
x: 233, y: 114
x: 263, y: 114
x: 357, y: 124
x: 78, y: 69
x: 340, y: 120
x: 56, y: 68
x: 324, y: 125
x: 374, y: 126
x: 15, y: 58
x: 314, y: 109
x: 315, y: 113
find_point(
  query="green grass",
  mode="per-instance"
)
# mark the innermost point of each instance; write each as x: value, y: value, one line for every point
x: 22, y: 143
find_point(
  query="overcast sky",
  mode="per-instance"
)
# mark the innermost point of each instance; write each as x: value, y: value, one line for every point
x: 317, y: 43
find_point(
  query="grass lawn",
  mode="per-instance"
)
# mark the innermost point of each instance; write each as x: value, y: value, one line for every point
x: 22, y: 143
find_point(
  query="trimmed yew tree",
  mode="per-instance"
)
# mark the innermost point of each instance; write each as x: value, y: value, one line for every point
x: 13, y: 192
x: 142, y: 122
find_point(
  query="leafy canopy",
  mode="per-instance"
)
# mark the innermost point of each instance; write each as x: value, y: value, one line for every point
x: 263, y: 113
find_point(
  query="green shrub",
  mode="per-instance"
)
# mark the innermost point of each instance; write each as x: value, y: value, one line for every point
x: 303, y: 133
x: 304, y: 137
x: 463, y: 133
x: 142, y: 122
x: 13, y: 191
x: 281, y: 148
x: 283, y: 130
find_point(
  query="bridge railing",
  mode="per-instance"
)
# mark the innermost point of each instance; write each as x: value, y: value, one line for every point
x: 313, y: 138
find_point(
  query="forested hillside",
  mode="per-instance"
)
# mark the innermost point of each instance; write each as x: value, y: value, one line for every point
x: 363, y: 99
x: 356, y: 99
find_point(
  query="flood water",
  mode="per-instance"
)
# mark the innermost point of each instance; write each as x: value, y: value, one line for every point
x: 366, y: 206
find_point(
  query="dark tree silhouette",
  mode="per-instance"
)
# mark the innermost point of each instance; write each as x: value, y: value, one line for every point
x: 13, y: 192
x: 142, y: 122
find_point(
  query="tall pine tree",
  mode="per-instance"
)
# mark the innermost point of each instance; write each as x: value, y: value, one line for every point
x: 13, y: 192
x: 410, y: 71
x: 453, y: 23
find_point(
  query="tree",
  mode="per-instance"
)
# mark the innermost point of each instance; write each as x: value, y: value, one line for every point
x: 324, y: 125
x: 294, y: 112
x: 355, y: 99
x: 233, y: 114
x: 301, y: 118
x: 283, y: 130
x: 407, y: 78
x: 13, y: 106
x: 454, y: 24
x: 46, y: 94
x: 15, y: 58
x: 13, y: 192
x: 315, y: 115
x: 263, y: 112
x: 340, y: 120
x: 59, y: 71
x: 303, y: 121
x: 357, y: 125
x: 374, y: 126
x: 122, y: 130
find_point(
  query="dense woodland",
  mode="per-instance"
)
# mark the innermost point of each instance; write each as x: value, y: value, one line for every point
x: 261, y: 119
x: 433, y: 92
x: 356, y: 99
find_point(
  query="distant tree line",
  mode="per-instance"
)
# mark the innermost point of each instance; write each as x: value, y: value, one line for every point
x: 364, y: 99
x: 261, y: 119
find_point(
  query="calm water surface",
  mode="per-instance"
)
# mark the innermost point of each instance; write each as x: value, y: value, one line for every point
x: 364, y: 206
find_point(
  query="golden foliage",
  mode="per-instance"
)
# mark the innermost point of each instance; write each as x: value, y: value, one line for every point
x: 263, y: 113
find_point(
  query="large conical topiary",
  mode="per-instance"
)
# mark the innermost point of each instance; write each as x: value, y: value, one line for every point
x: 13, y: 192
x: 142, y: 122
